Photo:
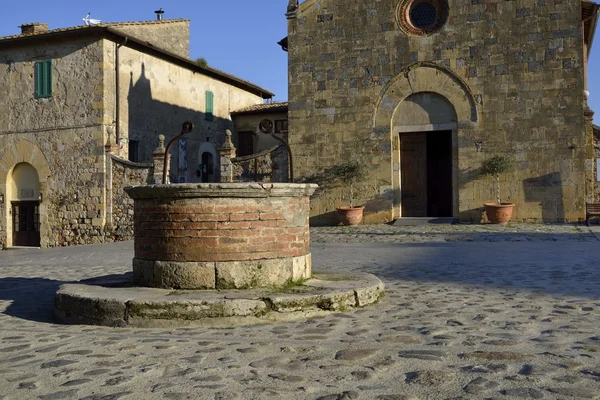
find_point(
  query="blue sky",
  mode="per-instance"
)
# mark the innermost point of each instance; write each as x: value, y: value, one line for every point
x: 236, y: 36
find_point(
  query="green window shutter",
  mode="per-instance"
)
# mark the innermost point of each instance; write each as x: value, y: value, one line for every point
x: 38, y: 79
x: 48, y: 82
x: 43, y: 79
x: 209, y: 106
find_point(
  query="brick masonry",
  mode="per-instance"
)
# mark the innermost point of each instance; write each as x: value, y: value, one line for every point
x: 221, y: 224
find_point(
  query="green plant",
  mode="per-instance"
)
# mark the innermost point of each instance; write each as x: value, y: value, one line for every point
x: 202, y: 62
x: 496, y: 166
x: 347, y: 173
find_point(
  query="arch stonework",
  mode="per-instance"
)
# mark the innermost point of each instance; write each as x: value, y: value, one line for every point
x: 24, y: 151
x: 420, y: 78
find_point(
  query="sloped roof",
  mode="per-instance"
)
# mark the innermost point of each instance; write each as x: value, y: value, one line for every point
x: 82, y: 27
x: 589, y: 15
x: 263, y: 108
x: 110, y: 31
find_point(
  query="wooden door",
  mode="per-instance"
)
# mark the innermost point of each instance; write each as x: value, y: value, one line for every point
x: 413, y: 164
x: 26, y: 223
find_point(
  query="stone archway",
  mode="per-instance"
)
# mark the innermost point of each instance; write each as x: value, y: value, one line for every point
x: 18, y: 161
x: 208, y: 162
x: 391, y: 117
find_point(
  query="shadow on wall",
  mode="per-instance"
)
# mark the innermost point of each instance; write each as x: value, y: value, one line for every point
x: 547, y: 190
x: 149, y: 117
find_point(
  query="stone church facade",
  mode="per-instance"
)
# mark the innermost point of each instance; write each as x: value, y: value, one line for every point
x: 423, y: 91
x: 82, y: 109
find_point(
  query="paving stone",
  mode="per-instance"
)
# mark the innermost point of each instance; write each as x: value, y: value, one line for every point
x: 526, y: 393
x: 432, y: 355
x: 58, y: 363
x: 479, y: 385
x: 429, y: 377
x: 354, y: 355
x: 581, y: 393
x: 68, y: 394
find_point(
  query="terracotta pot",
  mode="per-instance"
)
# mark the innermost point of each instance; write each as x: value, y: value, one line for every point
x: 350, y: 215
x: 499, y: 213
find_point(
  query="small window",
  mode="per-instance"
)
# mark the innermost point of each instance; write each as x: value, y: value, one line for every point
x: 209, y: 106
x: 43, y: 79
x: 281, y: 125
x: 134, y: 150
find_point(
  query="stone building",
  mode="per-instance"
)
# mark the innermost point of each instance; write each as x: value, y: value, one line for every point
x: 247, y: 138
x: 260, y: 156
x: 422, y: 91
x: 82, y: 110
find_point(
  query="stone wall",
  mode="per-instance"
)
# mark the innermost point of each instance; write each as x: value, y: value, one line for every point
x: 172, y: 35
x: 521, y: 94
x: 124, y: 174
x: 596, y: 133
x: 62, y: 137
x: 266, y: 166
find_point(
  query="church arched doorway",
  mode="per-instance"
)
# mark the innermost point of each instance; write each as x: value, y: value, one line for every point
x: 427, y: 125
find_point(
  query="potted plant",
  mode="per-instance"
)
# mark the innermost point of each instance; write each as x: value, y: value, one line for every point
x: 497, y: 212
x: 348, y: 174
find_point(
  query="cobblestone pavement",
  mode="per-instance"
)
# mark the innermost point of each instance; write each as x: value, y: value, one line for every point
x: 512, y: 313
x: 514, y: 232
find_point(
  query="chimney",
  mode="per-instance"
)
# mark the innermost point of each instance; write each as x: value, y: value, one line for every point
x: 159, y: 14
x: 33, y: 28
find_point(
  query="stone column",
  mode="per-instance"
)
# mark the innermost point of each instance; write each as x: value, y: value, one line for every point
x: 590, y: 167
x: 226, y: 153
x: 158, y: 157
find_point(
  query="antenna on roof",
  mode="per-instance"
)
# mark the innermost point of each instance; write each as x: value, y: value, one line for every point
x: 159, y: 14
x: 90, y: 21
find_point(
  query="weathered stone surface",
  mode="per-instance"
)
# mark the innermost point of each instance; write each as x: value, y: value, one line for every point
x: 433, y: 355
x: 123, y: 305
x: 178, y: 275
x: 251, y: 274
x: 429, y: 377
x: 355, y: 354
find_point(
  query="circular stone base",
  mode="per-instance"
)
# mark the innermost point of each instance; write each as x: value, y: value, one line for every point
x: 116, y: 302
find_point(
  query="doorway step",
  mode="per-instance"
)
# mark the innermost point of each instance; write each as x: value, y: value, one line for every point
x: 419, y: 221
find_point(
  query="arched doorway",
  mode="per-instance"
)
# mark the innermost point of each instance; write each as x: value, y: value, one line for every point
x: 23, y: 194
x: 428, y: 99
x: 427, y: 127
x: 207, y: 168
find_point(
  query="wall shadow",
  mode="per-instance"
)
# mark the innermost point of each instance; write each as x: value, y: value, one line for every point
x: 149, y: 117
x: 547, y: 190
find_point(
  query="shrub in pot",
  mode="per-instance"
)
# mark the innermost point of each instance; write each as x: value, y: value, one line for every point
x: 348, y: 174
x: 497, y: 212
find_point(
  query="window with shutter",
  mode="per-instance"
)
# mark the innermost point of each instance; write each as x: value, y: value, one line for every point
x: 209, y: 106
x: 43, y: 79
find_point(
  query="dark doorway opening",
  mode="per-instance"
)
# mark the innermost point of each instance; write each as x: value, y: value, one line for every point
x: 245, y: 144
x: 26, y: 223
x: 426, y: 173
x: 207, y: 167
